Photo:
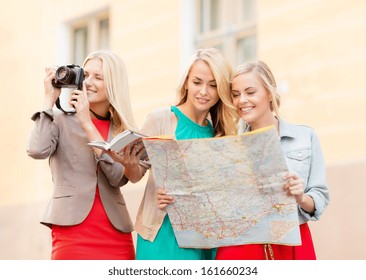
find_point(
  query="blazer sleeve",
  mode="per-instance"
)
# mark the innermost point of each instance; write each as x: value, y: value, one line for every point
x: 44, y: 135
x: 112, y: 170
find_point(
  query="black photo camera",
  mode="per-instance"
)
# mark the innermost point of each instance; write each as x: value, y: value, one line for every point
x: 69, y: 76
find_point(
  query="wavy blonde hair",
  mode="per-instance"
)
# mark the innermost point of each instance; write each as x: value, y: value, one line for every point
x: 223, y: 113
x: 116, y: 83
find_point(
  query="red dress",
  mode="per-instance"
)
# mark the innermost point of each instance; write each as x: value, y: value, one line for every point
x: 271, y: 251
x: 95, y: 238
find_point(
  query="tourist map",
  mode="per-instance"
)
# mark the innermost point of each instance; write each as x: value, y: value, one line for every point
x: 227, y: 190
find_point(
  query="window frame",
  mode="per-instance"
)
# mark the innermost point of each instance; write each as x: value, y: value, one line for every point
x: 230, y: 30
x: 93, y: 34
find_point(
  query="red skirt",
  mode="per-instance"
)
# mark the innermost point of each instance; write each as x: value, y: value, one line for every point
x: 271, y: 251
x: 94, y: 239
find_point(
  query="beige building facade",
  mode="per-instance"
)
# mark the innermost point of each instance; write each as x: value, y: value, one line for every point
x: 316, y: 49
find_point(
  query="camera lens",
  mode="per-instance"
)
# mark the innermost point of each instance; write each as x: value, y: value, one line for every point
x: 65, y: 75
x: 62, y: 74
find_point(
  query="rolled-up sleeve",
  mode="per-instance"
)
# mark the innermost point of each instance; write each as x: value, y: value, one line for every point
x: 113, y: 170
x: 317, y: 186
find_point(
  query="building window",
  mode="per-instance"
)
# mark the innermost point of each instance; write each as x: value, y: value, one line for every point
x: 80, y: 44
x: 246, y: 49
x: 247, y: 10
x: 229, y: 26
x: 104, y: 33
x: 209, y: 15
x: 89, y: 34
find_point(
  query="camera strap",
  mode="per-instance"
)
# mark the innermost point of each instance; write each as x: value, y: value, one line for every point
x: 99, y: 117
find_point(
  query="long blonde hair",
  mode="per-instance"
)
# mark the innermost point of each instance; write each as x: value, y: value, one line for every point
x: 116, y: 83
x: 223, y: 113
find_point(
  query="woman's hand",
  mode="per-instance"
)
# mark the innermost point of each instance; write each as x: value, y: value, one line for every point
x: 51, y: 92
x: 79, y: 100
x: 129, y: 157
x: 163, y: 199
x: 295, y: 187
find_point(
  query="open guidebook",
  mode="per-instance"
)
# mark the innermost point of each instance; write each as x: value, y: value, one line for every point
x: 120, y: 141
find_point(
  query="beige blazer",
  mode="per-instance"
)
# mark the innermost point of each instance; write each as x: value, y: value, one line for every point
x: 76, y: 172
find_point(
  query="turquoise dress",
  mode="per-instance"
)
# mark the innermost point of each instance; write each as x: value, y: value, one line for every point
x: 165, y: 246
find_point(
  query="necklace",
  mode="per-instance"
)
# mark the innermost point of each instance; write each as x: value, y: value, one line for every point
x: 106, y: 118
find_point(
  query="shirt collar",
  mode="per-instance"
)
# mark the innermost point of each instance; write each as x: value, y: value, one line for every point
x: 286, y: 129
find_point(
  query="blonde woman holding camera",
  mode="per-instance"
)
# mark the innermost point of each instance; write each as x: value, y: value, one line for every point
x: 87, y: 213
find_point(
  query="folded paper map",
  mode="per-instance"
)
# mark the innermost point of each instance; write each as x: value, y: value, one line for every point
x: 227, y: 190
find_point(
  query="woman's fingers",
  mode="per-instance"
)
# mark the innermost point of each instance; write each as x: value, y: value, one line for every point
x: 163, y: 199
x: 294, y: 186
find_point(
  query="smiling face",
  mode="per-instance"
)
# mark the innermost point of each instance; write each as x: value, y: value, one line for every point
x: 252, y: 100
x: 201, y: 87
x: 96, y: 90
